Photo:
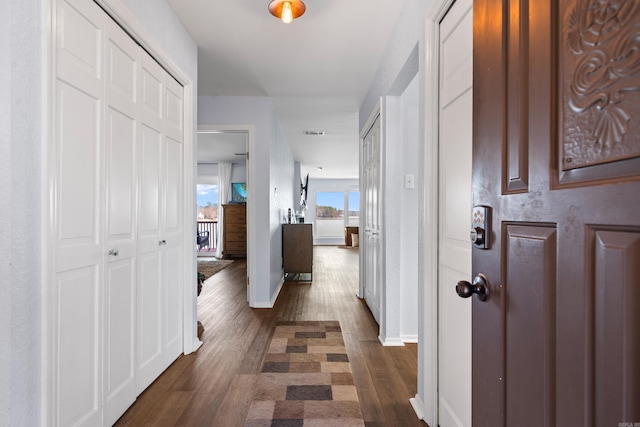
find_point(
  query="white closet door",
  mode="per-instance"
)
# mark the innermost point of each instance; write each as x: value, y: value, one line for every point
x: 150, y: 294
x: 116, y: 193
x: 173, y: 250
x: 160, y: 229
x: 77, y: 202
x: 121, y: 112
x: 371, y: 244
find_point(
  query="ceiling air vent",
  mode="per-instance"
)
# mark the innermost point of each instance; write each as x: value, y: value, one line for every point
x: 313, y: 132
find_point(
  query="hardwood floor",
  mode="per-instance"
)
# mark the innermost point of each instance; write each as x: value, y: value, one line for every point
x: 213, y: 386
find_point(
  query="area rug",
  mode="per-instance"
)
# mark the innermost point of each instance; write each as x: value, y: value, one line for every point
x: 306, y: 379
x: 209, y: 268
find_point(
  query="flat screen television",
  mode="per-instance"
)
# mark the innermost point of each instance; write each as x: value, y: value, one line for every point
x: 238, y: 192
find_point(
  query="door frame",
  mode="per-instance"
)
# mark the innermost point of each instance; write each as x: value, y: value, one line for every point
x: 425, y: 403
x: 251, y: 251
x: 141, y: 35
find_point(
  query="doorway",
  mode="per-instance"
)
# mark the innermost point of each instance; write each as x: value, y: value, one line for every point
x: 219, y: 145
x: 215, y: 149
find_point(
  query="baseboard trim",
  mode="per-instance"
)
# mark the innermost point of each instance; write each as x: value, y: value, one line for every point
x: 411, y: 339
x: 390, y: 342
x: 418, y: 406
x: 274, y: 297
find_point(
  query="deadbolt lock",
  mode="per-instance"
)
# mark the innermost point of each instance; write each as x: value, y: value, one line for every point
x: 481, y: 226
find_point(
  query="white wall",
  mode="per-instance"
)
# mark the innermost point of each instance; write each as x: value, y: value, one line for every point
x: 410, y: 219
x: 24, y: 38
x: 5, y: 212
x: 269, y: 151
x: 21, y: 132
x: 281, y: 178
x: 392, y: 77
x: 326, y: 185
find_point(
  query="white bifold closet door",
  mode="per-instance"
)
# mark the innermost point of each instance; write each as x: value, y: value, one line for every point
x: 116, y: 294
x: 160, y: 230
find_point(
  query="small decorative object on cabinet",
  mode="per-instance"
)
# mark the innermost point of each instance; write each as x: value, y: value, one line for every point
x: 234, y: 233
x: 297, y: 249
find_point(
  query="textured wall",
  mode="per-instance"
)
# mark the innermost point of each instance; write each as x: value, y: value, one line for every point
x: 282, y: 174
x: 269, y: 151
x: 20, y: 299
x: 408, y: 31
x: 398, y: 56
x: 410, y: 219
x: 5, y: 211
x: 24, y: 33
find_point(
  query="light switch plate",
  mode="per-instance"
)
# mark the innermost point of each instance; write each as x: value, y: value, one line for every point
x: 409, y: 181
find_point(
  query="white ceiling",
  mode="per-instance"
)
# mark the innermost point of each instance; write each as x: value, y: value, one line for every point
x: 216, y: 147
x: 317, y: 69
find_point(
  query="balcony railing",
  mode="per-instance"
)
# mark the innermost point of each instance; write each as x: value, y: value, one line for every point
x: 212, y: 227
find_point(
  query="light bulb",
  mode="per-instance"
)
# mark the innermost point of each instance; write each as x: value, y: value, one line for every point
x: 287, y: 13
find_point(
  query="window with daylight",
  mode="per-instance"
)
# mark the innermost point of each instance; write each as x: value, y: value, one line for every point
x: 207, y: 202
x: 334, y: 211
x: 353, y: 203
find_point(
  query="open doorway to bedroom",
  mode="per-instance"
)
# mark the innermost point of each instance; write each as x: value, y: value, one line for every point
x: 222, y: 180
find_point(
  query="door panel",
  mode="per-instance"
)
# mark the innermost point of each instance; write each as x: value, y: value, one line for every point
x: 77, y: 198
x: 150, y: 170
x: 556, y: 124
x: 78, y: 355
x: 372, y: 229
x: 615, y: 374
x: 151, y: 281
x: 454, y: 248
x: 119, y: 337
x: 120, y: 153
x: 160, y: 224
x: 531, y: 257
x: 78, y: 159
x: 172, y: 340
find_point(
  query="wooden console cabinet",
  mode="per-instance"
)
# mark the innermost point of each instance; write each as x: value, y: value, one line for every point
x: 297, y: 248
x: 234, y: 231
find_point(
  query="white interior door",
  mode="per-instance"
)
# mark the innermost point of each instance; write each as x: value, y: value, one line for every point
x: 150, y: 293
x: 116, y: 186
x: 172, y: 230
x: 77, y: 232
x: 120, y: 151
x: 454, y: 246
x: 160, y: 225
x: 371, y: 245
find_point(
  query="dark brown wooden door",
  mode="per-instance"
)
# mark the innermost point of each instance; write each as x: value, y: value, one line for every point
x: 557, y: 158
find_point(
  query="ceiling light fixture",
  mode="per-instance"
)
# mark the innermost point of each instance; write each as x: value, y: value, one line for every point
x: 320, y: 168
x: 287, y: 10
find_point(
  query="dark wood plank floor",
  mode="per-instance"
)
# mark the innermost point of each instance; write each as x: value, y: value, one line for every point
x: 213, y: 386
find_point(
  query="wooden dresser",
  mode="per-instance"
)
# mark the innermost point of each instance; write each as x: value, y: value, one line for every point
x: 297, y: 248
x: 234, y: 231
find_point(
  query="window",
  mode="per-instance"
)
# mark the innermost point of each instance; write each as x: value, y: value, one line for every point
x: 329, y: 214
x: 353, y: 204
x: 207, y: 202
x: 336, y: 210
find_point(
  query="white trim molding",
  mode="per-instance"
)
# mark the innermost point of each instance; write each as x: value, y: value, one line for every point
x: 426, y: 401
